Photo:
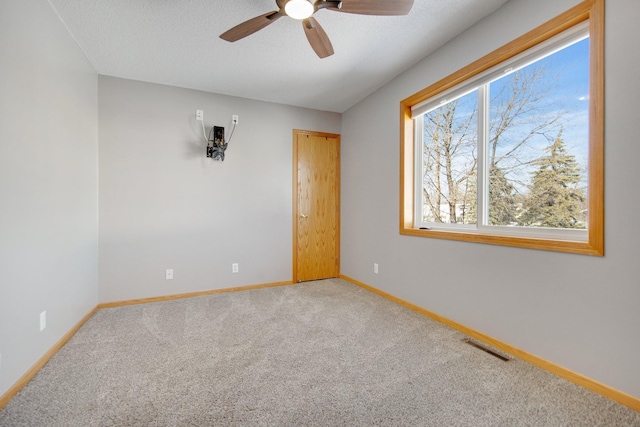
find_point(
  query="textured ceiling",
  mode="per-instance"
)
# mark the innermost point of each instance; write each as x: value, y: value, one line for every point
x: 175, y: 42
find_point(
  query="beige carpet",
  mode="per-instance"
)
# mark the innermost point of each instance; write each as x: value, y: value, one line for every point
x: 321, y: 353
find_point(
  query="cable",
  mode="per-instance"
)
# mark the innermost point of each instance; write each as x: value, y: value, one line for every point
x: 232, y: 130
x: 204, y: 132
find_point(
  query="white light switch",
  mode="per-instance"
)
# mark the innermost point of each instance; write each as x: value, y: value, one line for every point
x: 169, y: 274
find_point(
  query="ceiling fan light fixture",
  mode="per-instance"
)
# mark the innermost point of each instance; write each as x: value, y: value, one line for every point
x: 298, y: 9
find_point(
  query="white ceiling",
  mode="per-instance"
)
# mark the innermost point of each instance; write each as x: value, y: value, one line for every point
x: 175, y: 42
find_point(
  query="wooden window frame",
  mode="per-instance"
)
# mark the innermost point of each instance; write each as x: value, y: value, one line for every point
x: 591, y: 10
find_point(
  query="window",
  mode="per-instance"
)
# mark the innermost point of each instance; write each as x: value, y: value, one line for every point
x: 512, y: 152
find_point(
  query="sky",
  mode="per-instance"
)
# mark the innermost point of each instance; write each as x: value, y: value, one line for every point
x: 563, y: 95
x: 563, y: 90
x: 566, y: 77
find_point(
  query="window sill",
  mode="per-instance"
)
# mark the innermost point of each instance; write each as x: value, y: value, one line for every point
x: 569, y: 246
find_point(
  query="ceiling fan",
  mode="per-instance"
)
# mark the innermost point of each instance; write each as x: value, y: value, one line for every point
x: 303, y: 9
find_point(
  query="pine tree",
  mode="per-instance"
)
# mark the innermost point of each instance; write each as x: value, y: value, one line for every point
x: 503, y: 202
x: 555, y: 200
x: 502, y: 198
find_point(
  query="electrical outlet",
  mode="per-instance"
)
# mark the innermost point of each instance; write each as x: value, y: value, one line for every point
x: 169, y: 274
x: 375, y: 268
x: 43, y: 320
x: 199, y: 115
x: 234, y: 119
x: 234, y: 267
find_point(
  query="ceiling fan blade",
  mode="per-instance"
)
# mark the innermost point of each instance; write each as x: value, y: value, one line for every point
x: 318, y: 39
x: 376, y: 7
x: 251, y: 26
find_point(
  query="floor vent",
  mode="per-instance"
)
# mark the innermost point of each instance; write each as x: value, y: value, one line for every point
x: 486, y: 350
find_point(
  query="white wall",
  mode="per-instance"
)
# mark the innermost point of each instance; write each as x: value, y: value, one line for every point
x: 578, y: 311
x: 48, y: 184
x: 163, y: 204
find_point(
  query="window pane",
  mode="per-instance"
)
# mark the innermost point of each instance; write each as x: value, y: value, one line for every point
x: 449, y: 162
x: 538, y: 142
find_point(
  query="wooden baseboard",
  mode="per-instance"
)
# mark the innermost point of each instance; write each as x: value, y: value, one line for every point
x: 191, y: 294
x: 579, y: 379
x: 24, y: 379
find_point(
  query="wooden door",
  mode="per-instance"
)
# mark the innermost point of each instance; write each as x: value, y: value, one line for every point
x: 316, y: 205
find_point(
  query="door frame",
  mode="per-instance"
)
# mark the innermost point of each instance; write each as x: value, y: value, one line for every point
x: 297, y: 132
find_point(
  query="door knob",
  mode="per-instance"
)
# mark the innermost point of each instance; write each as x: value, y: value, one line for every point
x: 304, y: 216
